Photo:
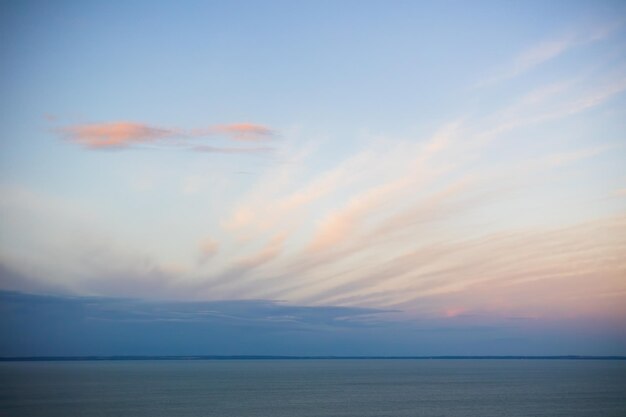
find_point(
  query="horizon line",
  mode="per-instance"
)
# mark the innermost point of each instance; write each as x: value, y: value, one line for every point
x: 302, y: 357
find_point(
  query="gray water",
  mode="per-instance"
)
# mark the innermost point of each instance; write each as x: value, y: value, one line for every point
x: 294, y: 388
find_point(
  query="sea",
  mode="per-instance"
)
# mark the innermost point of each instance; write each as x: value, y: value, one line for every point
x: 314, y: 388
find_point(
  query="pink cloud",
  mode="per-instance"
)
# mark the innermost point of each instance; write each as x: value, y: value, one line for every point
x: 454, y: 312
x: 115, y: 134
x: 122, y: 134
x: 245, y: 131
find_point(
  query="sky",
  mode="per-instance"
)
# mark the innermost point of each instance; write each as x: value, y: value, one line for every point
x: 327, y: 177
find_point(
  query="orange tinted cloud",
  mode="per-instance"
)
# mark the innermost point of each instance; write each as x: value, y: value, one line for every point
x: 125, y: 134
x: 245, y: 131
x: 115, y: 134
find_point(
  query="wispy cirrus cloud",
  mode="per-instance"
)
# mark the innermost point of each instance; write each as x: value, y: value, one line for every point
x: 125, y: 134
x: 422, y: 206
x: 245, y: 131
x: 208, y: 249
x: 531, y: 58
x: 548, y: 50
x: 232, y: 150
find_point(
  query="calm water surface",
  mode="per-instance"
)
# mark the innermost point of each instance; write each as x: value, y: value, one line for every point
x: 294, y: 388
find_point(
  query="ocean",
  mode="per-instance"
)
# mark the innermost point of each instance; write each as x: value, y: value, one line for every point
x: 311, y: 388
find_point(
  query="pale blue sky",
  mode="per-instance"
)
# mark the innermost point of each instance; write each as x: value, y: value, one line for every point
x: 435, y: 158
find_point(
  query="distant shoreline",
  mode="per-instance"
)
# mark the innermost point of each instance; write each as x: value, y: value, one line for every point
x: 270, y: 357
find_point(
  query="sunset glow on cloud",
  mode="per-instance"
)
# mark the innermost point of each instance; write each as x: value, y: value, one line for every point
x: 245, y: 131
x: 118, y: 135
x: 114, y: 135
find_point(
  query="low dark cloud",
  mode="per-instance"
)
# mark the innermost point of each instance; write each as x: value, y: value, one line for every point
x: 45, y: 325
x: 13, y: 280
x: 35, y: 325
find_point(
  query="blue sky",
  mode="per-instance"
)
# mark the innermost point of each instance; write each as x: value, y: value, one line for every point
x: 437, y: 159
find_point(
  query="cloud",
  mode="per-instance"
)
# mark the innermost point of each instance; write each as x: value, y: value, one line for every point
x: 36, y: 325
x: 240, y: 269
x: 360, y: 239
x: 208, y: 249
x: 536, y: 56
x: 553, y: 267
x: 70, y: 325
x: 123, y: 134
x: 528, y: 60
x: 115, y: 134
x: 549, y: 103
x: 13, y: 280
x: 286, y: 203
x: 245, y: 131
x: 620, y: 192
x: 548, y: 50
x: 217, y: 149
x: 266, y: 254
